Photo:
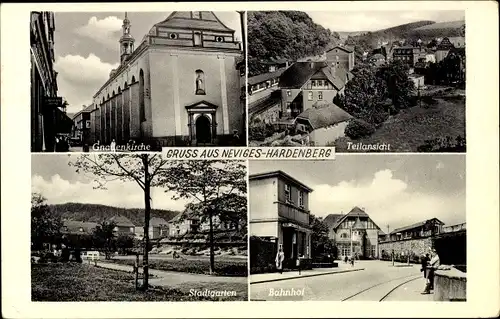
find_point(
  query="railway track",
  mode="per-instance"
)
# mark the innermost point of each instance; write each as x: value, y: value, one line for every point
x: 366, y: 291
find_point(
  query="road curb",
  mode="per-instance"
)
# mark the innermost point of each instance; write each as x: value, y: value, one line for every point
x: 305, y: 276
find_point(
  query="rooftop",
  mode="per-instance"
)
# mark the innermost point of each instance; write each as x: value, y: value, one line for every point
x: 297, y: 74
x: 185, y: 20
x: 279, y: 174
x: 324, y: 115
x: 265, y: 76
x: 120, y: 220
x: 417, y: 225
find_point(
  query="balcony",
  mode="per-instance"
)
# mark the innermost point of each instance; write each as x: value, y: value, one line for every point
x: 292, y: 212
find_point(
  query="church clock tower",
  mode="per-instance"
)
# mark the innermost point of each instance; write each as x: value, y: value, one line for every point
x: 126, y: 41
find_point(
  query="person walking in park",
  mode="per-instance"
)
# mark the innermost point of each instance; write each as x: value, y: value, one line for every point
x: 279, y: 260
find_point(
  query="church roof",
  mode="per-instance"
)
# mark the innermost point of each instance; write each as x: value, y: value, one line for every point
x: 185, y: 20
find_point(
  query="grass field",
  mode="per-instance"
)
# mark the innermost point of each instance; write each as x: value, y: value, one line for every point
x: 409, y: 129
x: 81, y: 282
x: 234, y: 267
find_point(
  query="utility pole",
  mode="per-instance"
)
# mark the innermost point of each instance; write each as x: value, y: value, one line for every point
x: 351, y: 243
x: 392, y: 245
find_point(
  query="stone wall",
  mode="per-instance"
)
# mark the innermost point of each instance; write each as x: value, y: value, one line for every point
x: 450, y: 285
x: 418, y: 247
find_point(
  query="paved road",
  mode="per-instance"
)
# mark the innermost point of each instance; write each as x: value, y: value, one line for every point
x: 338, y: 287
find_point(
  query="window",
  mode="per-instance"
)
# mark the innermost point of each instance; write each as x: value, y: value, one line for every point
x: 337, y: 57
x: 173, y: 36
x: 320, y: 82
x: 141, y: 97
x: 343, y: 235
x: 320, y: 95
x: 197, y: 39
x: 310, y: 95
x: 301, y: 199
x: 288, y: 92
x: 288, y: 193
x: 288, y: 107
x: 196, y: 15
x: 219, y: 39
x: 200, y: 82
x: 313, y: 83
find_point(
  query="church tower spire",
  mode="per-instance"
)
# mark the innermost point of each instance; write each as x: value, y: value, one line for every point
x: 126, y: 40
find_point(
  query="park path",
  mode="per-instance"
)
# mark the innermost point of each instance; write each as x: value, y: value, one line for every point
x: 175, y: 278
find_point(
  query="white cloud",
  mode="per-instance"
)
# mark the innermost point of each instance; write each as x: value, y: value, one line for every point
x: 387, y: 201
x: 80, y: 77
x: 105, y: 31
x: 119, y: 194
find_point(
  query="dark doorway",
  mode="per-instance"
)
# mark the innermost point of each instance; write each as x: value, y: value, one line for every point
x: 203, y: 133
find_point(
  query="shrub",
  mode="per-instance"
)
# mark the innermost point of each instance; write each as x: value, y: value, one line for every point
x: 258, y: 131
x: 359, y: 128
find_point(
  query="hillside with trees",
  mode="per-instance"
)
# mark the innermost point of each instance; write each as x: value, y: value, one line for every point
x: 98, y: 213
x: 289, y: 35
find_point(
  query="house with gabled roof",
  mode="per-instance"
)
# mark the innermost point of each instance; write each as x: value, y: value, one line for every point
x: 123, y: 225
x: 305, y: 83
x: 324, y: 123
x: 355, y: 234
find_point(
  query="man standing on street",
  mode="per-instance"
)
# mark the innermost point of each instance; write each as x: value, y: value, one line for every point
x: 433, y: 265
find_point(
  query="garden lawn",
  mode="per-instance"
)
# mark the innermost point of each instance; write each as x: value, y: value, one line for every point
x: 234, y: 267
x: 409, y: 129
x: 82, y: 282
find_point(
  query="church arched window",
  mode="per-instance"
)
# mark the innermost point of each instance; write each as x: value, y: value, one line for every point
x: 200, y: 82
x: 141, y: 96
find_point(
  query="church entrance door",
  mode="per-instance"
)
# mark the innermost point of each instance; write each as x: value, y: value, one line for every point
x: 203, y: 130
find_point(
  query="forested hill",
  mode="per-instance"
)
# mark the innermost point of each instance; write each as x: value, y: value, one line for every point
x: 98, y: 213
x: 289, y: 35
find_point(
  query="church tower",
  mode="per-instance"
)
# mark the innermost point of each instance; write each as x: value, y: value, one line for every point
x: 126, y: 41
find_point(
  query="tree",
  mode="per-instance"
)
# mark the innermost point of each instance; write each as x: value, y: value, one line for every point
x: 104, y: 237
x: 143, y: 169
x: 124, y: 242
x: 217, y: 187
x: 320, y: 242
x: 364, y: 94
x: 45, y: 225
x: 399, y: 87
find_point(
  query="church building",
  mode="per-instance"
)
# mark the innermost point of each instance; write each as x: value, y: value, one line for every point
x: 179, y: 87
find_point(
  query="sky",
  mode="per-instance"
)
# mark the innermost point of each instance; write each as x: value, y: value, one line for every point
x: 59, y: 183
x: 394, y: 190
x: 376, y: 20
x: 87, y: 48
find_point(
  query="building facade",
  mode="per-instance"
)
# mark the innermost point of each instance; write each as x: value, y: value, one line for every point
x: 305, y: 83
x: 412, y: 241
x: 123, y: 225
x: 355, y: 234
x: 409, y: 54
x: 48, y: 117
x: 279, y: 213
x: 179, y: 87
x: 340, y: 57
x: 82, y: 124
